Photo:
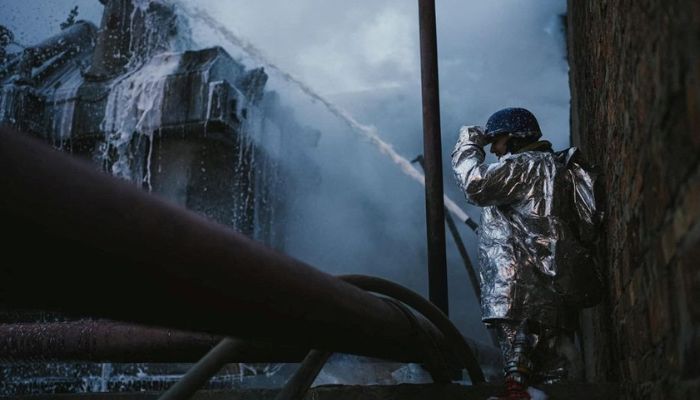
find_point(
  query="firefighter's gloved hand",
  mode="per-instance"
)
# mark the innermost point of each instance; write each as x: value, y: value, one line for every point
x: 474, y: 134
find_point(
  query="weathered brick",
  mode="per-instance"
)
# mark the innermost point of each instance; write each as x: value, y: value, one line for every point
x: 659, y: 323
x: 635, y: 73
x: 671, y: 356
x: 638, y: 285
x: 681, y: 223
x: 626, y: 267
x: 632, y: 366
x: 656, y: 195
x: 691, y: 202
x: 617, y: 282
x: 639, y: 336
x: 691, y: 364
x: 636, y: 189
x: 668, y: 244
x: 657, y: 392
x: 689, y: 265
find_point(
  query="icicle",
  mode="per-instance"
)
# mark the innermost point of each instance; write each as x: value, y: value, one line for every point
x: 134, y: 106
x: 64, y: 101
x: 147, y: 178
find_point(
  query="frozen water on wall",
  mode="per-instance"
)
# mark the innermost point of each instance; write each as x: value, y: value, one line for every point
x: 133, y: 111
x: 135, y: 100
x: 64, y: 99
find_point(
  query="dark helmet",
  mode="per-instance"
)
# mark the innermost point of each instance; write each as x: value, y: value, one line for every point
x: 518, y: 122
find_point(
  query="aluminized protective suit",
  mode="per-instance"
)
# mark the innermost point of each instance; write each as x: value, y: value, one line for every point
x: 538, y: 210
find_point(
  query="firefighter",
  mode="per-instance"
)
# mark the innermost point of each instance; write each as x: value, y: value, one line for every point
x: 537, y: 266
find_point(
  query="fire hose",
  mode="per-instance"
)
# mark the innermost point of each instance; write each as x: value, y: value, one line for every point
x: 302, y: 380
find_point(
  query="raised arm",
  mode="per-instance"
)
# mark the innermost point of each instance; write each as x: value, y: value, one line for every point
x: 503, y: 182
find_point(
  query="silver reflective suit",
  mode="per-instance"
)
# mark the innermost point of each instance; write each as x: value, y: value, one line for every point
x: 536, y: 207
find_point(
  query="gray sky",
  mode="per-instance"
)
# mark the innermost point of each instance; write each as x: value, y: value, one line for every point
x: 363, y: 55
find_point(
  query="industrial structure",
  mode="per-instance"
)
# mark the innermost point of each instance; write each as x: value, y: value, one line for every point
x: 176, y: 122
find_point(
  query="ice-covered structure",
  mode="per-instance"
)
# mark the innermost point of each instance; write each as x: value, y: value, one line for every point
x: 196, y: 127
x: 184, y: 124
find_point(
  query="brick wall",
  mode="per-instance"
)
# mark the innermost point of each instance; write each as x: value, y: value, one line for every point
x: 635, y: 111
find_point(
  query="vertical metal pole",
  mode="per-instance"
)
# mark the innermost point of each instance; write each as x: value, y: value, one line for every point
x: 471, y: 272
x: 435, y: 214
x: 458, y: 241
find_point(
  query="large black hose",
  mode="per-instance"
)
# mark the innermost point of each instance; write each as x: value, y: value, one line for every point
x: 304, y: 377
x: 430, y: 311
x: 302, y: 380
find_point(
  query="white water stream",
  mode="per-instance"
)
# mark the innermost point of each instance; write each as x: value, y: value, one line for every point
x: 367, y: 132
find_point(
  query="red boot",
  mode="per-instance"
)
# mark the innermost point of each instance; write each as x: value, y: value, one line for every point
x: 514, y: 391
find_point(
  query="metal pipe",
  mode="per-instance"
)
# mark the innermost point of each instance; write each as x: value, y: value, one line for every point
x: 100, y: 341
x: 83, y: 243
x: 203, y: 370
x: 432, y: 149
x: 297, y: 386
x: 471, y: 271
x: 108, y: 341
x: 305, y: 375
x: 474, y: 280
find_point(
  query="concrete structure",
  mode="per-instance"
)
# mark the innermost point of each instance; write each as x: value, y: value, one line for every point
x: 179, y: 123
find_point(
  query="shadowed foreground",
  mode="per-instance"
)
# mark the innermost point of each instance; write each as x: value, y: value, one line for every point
x: 376, y: 392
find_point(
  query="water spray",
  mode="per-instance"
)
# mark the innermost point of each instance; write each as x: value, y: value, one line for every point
x: 367, y: 132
